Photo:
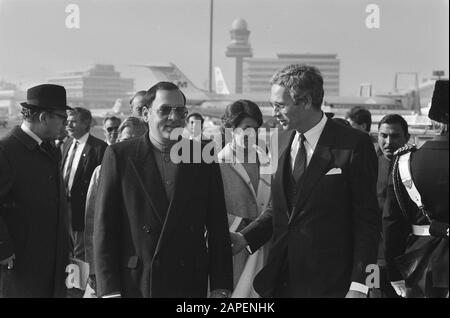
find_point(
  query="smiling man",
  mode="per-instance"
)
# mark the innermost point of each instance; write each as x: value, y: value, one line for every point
x: 323, y: 219
x: 149, y: 227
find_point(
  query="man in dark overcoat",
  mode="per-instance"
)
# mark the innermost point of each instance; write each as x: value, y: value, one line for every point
x: 33, y: 223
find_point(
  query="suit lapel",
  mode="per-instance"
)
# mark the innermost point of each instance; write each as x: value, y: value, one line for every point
x: 264, y: 180
x: 278, y: 187
x: 320, y: 161
x: 83, y: 160
x: 228, y: 157
x: 149, y: 178
x: 239, y: 169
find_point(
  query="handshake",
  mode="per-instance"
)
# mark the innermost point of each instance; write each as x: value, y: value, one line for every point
x: 238, y: 242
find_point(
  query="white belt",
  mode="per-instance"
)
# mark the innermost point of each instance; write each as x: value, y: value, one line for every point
x: 421, y: 230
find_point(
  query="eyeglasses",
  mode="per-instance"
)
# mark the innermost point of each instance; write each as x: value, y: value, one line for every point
x: 111, y: 129
x: 63, y: 117
x: 178, y: 111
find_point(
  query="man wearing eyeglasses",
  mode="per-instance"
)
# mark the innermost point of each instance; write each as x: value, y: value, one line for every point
x: 149, y: 230
x: 111, y: 128
x: 34, y: 241
x: 324, y: 214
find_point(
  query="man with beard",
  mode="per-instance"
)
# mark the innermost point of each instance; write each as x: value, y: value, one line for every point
x: 152, y: 213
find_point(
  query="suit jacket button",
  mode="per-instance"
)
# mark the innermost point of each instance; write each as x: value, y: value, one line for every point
x: 146, y: 229
x: 156, y: 262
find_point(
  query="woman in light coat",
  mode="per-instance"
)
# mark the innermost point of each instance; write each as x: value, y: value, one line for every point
x: 246, y: 182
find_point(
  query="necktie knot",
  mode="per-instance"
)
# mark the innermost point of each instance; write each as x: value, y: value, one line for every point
x: 302, y: 139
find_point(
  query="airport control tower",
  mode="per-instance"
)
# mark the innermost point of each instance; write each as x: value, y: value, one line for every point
x: 239, y: 48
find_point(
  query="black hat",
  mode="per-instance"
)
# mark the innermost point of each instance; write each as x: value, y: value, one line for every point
x: 46, y: 97
x: 439, y: 103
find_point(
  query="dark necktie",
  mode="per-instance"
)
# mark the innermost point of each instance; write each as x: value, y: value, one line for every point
x: 69, y: 166
x: 300, y: 159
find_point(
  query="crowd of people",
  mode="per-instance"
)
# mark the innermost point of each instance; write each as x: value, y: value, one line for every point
x: 146, y: 225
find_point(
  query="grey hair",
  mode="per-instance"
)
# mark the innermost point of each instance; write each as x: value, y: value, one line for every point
x: 301, y: 81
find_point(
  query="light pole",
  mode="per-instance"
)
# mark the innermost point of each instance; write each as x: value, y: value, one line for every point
x: 211, y: 44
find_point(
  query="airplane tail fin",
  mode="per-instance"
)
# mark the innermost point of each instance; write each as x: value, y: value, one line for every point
x: 117, y: 108
x: 169, y: 72
x: 221, y: 85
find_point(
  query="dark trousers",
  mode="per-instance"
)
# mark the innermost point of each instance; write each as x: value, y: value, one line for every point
x: 76, y: 239
x: 426, y: 289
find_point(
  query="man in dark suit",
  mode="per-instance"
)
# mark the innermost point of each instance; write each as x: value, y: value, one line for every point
x: 82, y: 154
x: 392, y: 135
x: 34, y: 242
x: 323, y: 219
x: 149, y: 227
x: 416, y: 239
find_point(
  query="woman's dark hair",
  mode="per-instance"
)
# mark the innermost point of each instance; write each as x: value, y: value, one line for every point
x: 240, y: 109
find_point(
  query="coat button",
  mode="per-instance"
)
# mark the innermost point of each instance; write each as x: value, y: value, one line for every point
x: 146, y: 229
x: 156, y: 262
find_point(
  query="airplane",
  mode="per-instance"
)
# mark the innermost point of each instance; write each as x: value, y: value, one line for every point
x: 214, y: 103
x: 119, y: 109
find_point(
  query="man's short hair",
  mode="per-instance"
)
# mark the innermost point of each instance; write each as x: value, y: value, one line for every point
x: 135, y: 123
x: 150, y: 95
x: 195, y: 115
x: 85, y: 114
x: 112, y: 118
x: 301, y: 81
x: 139, y: 94
x: 360, y: 115
x: 395, y: 119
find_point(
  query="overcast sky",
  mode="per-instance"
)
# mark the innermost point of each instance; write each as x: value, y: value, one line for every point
x: 35, y: 42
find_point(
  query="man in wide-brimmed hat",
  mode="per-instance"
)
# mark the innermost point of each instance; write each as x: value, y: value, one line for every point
x: 415, y: 216
x: 33, y: 223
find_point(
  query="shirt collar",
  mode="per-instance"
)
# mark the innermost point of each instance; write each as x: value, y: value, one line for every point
x: 312, y: 136
x: 83, y: 139
x: 28, y: 131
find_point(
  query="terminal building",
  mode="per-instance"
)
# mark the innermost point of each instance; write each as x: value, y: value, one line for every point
x: 257, y: 72
x: 98, y: 87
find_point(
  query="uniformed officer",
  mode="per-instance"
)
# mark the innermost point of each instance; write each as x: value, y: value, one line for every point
x: 417, y: 205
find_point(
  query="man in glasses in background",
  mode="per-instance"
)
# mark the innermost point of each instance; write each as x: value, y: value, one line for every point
x: 34, y: 241
x: 111, y: 128
x: 149, y: 227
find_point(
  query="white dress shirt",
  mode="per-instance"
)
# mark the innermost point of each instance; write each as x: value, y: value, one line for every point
x: 81, y: 143
x: 311, y: 138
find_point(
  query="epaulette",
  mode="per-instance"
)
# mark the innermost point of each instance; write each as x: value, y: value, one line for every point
x: 405, y: 149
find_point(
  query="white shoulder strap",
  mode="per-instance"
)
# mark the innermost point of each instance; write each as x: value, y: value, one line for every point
x: 406, y: 177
